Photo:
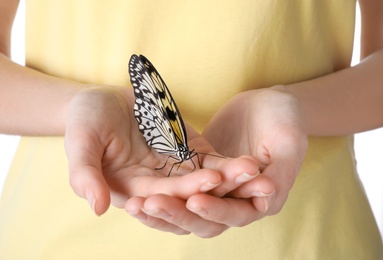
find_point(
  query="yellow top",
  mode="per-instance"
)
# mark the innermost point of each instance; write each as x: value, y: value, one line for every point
x: 207, y: 51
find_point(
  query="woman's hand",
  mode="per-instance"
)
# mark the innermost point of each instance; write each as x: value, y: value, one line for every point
x: 110, y: 162
x: 208, y: 214
x: 265, y: 125
x: 268, y: 125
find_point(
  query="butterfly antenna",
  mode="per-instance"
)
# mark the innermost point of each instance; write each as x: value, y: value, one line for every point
x: 199, y: 160
x: 214, y: 155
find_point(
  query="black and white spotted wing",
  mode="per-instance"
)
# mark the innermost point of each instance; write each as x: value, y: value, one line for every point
x: 158, y: 117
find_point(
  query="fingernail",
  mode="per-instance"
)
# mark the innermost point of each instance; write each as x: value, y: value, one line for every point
x: 244, y: 177
x: 157, y: 213
x: 199, y: 211
x: 267, y: 201
x: 91, y: 200
x: 261, y: 194
x: 138, y: 215
x: 208, y: 186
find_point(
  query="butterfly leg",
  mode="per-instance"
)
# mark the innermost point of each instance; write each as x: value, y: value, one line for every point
x: 177, y: 163
x: 190, y: 158
x: 181, y: 161
x: 166, y: 162
x: 194, y: 154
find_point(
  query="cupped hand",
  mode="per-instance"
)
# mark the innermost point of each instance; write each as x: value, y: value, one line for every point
x: 110, y: 162
x: 268, y: 125
x: 263, y: 129
x: 208, y: 214
x: 264, y: 125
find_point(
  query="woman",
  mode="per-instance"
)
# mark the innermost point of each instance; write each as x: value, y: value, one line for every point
x: 260, y: 77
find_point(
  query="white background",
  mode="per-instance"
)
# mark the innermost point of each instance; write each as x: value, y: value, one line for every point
x: 368, y: 146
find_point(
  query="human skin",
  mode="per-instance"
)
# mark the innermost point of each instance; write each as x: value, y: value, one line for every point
x: 98, y: 147
x: 341, y: 103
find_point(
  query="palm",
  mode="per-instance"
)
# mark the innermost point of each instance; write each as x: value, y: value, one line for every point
x: 265, y: 124
x: 110, y: 162
x: 130, y: 163
x: 109, y: 159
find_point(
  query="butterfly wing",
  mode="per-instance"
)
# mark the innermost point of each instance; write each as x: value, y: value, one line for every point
x: 157, y: 114
x: 169, y: 105
x: 157, y: 132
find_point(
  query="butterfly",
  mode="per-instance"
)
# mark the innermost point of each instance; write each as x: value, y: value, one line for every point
x: 157, y: 115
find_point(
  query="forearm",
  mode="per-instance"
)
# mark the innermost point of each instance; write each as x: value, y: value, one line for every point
x: 345, y: 102
x: 32, y: 103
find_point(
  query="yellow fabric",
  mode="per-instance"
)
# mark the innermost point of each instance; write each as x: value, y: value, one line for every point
x: 206, y: 51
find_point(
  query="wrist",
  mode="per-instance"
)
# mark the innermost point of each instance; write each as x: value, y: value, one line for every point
x: 290, y: 97
x: 97, y: 102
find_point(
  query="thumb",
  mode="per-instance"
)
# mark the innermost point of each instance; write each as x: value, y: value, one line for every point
x: 89, y: 183
x: 85, y: 172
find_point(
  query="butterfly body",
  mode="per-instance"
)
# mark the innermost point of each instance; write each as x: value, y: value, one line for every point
x: 156, y: 112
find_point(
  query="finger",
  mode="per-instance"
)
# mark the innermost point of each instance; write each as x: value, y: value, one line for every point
x: 173, y: 211
x: 260, y: 189
x: 134, y: 208
x: 234, y: 172
x: 85, y: 172
x: 263, y: 203
x: 147, y: 184
x: 227, y: 211
x: 261, y: 186
x: 283, y: 174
